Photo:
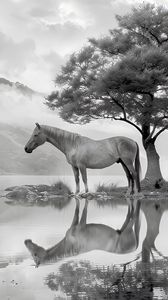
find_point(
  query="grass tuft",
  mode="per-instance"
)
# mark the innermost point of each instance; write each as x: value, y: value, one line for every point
x: 61, y: 188
x: 106, y: 188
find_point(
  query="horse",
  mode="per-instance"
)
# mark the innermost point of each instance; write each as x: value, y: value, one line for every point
x: 82, y: 237
x: 82, y: 152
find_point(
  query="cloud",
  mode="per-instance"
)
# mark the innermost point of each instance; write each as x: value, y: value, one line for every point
x: 19, y: 62
x: 64, y: 38
x: 15, y: 56
x: 34, y: 40
x: 18, y: 109
x: 32, y: 32
x: 41, y: 73
x: 53, y: 62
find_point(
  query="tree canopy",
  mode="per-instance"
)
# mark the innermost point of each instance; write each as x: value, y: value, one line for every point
x: 127, y: 69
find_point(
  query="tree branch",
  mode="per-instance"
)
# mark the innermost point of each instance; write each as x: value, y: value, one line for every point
x: 140, y: 34
x: 144, y: 93
x: 118, y: 104
x: 138, y: 103
x: 162, y: 89
x: 152, y: 34
x: 159, y: 132
x: 117, y: 282
x: 151, y: 134
x: 124, y: 114
x: 154, y: 128
x: 165, y: 40
x: 129, y: 122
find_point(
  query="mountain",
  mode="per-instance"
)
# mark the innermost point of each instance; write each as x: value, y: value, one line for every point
x: 25, y: 90
x: 45, y: 160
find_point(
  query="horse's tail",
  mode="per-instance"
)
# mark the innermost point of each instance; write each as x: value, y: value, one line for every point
x: 138, y: 168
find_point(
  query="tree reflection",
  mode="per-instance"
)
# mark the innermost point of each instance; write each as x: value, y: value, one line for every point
x: 153, y: 211
x: 80, y: 280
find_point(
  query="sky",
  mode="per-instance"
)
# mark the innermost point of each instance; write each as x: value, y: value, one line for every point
x: 36, y: 37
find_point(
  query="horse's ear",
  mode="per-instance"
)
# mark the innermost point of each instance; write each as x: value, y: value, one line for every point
x: 38, y: 126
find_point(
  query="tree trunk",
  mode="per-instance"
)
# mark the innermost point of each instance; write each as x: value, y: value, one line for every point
x: 153, y: 213
x: 153, y: 174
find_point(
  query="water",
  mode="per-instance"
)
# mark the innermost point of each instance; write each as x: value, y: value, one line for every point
x: 93, y: 275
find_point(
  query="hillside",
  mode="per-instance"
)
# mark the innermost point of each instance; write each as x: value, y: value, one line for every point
x: 25, y: 90
x: 46, y: 160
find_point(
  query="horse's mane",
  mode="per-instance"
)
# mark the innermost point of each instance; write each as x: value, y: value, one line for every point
x: 62, y: 135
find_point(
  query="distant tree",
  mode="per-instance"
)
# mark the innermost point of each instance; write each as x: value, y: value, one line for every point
x: 123, y: 76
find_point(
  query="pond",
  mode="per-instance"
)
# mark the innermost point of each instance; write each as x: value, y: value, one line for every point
x: 139, y: 273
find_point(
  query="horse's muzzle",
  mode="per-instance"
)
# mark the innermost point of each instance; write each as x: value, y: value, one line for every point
x: 27, y: 241
x: 27, y: 150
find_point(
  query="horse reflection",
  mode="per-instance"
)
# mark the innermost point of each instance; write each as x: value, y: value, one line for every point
x: 82, y: 237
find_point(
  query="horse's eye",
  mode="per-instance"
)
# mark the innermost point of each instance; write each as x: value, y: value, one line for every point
x: 36, y: 135
x: 35, y: 254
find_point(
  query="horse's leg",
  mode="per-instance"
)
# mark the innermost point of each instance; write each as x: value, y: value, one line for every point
x: 129, y: 164
x: 138, y: 169
x: 76, y: 174
x: 75, y: 220
x: 130, y: 184
x: 132, y: 173
x: 137, y: 221
x: 129, y: 176
x: 84, y: 214
x: 127, y: 220
x: 135, y: 176
x: 84, y: 177
x: 132, y: 220
x: 133, y: 216
x: 128, y: 224
x: 70, y: 234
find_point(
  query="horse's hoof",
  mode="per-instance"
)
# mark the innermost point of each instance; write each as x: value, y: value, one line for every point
x: 72, y: 194
x: 139, y: 196
x: 87, y: 195
x: 129, y: 198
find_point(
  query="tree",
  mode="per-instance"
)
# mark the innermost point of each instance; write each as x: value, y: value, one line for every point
x: 123, y: 76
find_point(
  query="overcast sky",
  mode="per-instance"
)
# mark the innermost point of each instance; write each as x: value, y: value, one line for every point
x: 36, y: 36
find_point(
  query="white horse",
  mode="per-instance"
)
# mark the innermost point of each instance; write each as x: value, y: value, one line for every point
x: 82, y: 153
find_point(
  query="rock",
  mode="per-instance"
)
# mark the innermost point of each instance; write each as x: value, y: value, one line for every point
x: 18, y: 193
x: 40, y: 195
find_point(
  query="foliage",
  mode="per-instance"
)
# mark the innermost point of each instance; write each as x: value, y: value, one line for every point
x: 122, y: 76
x: 109, y: 189
x: 60, y: 188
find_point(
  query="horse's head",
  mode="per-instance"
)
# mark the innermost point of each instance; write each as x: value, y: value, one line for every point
x: 38, y: 138
x: 38, y: 253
